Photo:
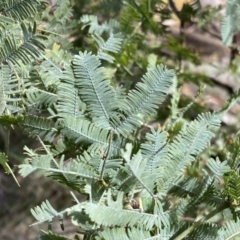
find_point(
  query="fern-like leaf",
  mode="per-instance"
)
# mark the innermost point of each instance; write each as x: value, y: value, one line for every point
x: 9, y: 90
x: 129, y: 17
x: 155, y: 150
x: 82, y: 131
x: 112, y: 44
x: 110, y: 216
x: 49, y: 166
x: 95, y: 89
x: 230, y: 230
x: 39, y: 126
x: 205, y: 231
x: 91, y: 21
x: 45, y: 213
x: 145, y: 99
x: 232, y: 187
x: 189, y: 142
x: 123, y: 234
x: 69, y: 103
x: 21, y: 9
x: 51, y: 236
x: 37, y: 97
x: 230, y: 24
x: 130, y: 175
x: 14, y: 50
x: 218, y: 168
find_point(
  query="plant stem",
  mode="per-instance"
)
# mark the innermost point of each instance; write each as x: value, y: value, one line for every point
x: 8, y: 141
x: 202, y: 220
x: 107, y: 155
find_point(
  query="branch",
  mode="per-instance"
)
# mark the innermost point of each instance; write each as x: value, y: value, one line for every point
x: 172, y: 5
x: 107, y: 155
x: 201, y: 221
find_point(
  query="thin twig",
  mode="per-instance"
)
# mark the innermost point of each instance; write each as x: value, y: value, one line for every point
x: 201, y: 221
x: 173, y: 7
x: 47, y: 151
x: 107, y: 154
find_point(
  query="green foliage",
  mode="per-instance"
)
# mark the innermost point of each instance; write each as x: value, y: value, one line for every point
x: 137, y: 186
x: 230, y: 24
x: 4, y: 163
x: 50, y: 236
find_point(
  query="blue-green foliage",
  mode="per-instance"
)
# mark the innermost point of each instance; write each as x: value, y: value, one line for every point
x: 230, y: 24
x: 98, y: 121
x: 88, y: 127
